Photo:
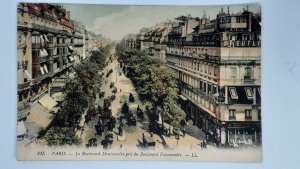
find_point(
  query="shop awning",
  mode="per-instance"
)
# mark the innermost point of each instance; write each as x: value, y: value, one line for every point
x: 183, y: 98
x: 49, y: 34
x: 70, y: 58
x: 21, y: 130
x: 41, y: 53
x: 42, y: 70
x: 27, y: 75
x: 71, y: 48
x: 42, y: 39
x: 47, y: 102
x: 40, y: 116
x: 45, y: 68
x: 46, y: 39
x: 45, y: 52
x: 22, y: 74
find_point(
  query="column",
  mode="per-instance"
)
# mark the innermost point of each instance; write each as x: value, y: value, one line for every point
x: 254, y: 96
x: 226, y: 95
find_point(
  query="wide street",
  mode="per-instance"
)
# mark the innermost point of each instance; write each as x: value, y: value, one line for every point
x: 133, y: 135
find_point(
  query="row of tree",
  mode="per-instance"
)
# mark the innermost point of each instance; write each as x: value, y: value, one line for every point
x: 155, y: 82
x: 80, y: 94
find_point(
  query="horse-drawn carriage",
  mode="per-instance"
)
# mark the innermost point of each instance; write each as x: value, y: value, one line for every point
x: 105, y: 112
x: 107, y: 141
x: 127, y: 114
x: 139, y: 113
x: 92, y: 142
x: 131, y: 98
x: 114, y: 90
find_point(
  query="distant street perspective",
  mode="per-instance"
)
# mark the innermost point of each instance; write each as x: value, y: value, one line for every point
x: 188, y: 83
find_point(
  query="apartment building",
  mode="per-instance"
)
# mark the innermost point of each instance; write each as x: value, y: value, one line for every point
x: 218, y: 65
x: 49, y: 43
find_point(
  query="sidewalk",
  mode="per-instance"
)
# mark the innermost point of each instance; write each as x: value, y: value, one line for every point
x: 184, y: 142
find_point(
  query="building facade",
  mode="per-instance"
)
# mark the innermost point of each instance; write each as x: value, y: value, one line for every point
x: 218, y: 65
x: 219, y: 69
x: 49, y: 44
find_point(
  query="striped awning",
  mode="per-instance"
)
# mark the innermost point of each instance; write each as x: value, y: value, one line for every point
x: 21, y: 130
x: 40, y: 116
x: 47, y: 102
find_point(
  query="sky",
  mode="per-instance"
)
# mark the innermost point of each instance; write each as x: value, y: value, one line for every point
x: 116, y: 21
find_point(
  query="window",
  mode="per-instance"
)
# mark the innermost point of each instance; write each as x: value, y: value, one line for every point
x: 200, y: 85
x: 232, y: 37
x: 204, y: 87
x: 232, y: 114
x: 247, y: 72
x: 215, y: 70
x: 209, y: 89
x: 246, y: 37
x: 233, y: 72
x: 210, y: 70
x: 36, y: 39
x: 248, y: 114
x: 50, y: 38
x: 233, y: 19
x: 214, y: 89
x: 233, y: 93
x: 35, y: 56
x: 249, y: 92
x: 22, y: 38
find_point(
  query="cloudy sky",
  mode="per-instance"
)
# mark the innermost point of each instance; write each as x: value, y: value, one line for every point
x: 116, y: 21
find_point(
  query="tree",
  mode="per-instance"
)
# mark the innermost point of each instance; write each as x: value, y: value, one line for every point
x: 57, y: 136
x: 155, y: 82
x: 74, y: 105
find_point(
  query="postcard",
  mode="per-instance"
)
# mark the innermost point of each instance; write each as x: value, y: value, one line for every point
x: 139, y: 82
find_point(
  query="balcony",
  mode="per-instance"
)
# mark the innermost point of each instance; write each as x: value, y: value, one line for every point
x: 233, y: 25
x: 43, y: 59
x: 44, y: 28
x: 23, y: 25
x: 78, y: 44
x: 40, y: 78
x: 197, y: 91
x: 24, y: 86
x: 248, y: 81
x: 248, y: 118
x: 36, y: 46
x: 233, y: 118
x: 61, y: 45
x: 49, y: 45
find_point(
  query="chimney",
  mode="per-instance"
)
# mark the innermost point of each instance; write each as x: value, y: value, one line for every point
x: 68, y: 14
x: 228, y: 10
x: 249, y: 22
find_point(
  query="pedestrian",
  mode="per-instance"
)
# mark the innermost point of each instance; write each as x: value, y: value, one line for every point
x: 183, y: 132
x: 144, y: 140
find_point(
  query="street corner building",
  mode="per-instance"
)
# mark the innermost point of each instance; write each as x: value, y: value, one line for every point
x: 49, y: 44
x: 218, y: 64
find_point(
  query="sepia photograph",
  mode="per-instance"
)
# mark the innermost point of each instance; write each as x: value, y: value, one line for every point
x: 139, y: 82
